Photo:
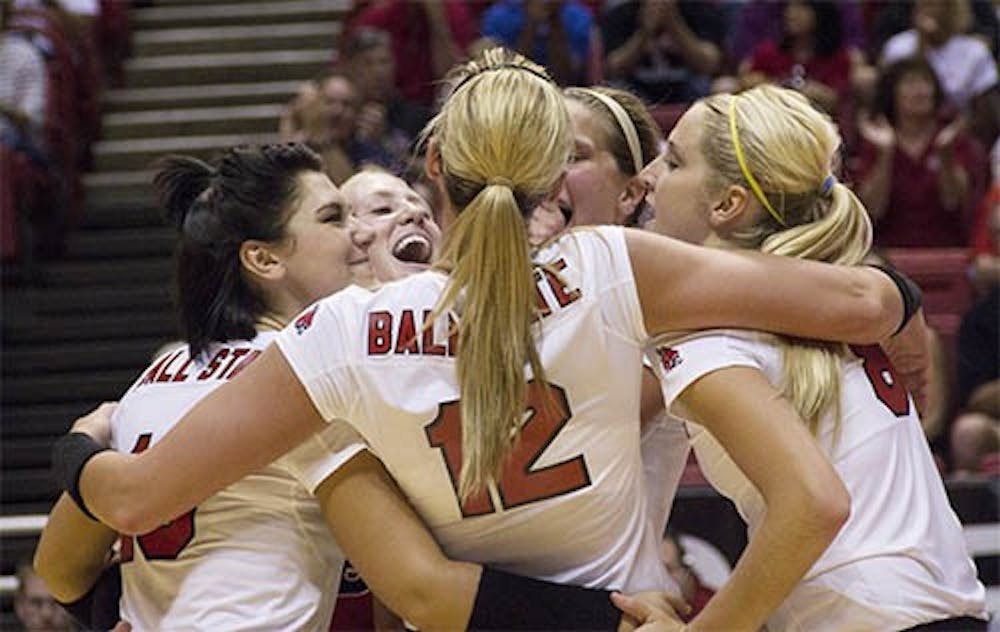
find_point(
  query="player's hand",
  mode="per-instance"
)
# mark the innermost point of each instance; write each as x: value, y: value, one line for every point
x: 642, y: 609
x: 372, y: 122
x: 944, y: 142
x: 123, y: 626
x: 97, y: 423
x: 910, y: 354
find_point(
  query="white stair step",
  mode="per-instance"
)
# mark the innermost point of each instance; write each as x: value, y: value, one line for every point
x: 244, y: 119
x: 183, y: 15
x: 140, y: 154
x: 187, y: 96
x: 223, y: 39
x: 174, y: 70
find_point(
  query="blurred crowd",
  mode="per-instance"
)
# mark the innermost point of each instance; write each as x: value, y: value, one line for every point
x: 913, y: 85
x: 56, y: 57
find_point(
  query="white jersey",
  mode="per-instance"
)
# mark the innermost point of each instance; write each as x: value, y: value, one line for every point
x: 665, y: 449
x: 569, y: 508
x: 256, y: 555
x: 900, y: 560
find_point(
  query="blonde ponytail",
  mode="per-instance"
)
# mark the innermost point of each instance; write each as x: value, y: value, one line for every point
x: 811, y: 370
x: 504, y: 139
x: 791, y: 147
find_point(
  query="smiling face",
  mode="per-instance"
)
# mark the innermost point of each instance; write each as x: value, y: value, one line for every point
x: 317, y: 252
x: 677, y: 183
x: 393, y: 224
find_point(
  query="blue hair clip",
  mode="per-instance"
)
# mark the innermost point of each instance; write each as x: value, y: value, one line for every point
x: 827, y: 185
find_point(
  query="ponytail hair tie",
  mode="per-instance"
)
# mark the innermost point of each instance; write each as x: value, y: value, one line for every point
x: 828, y: 183
x: 500, y: 181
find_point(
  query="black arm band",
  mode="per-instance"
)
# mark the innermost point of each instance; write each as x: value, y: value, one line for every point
x: 98, y: 609
x: 69, y: 454
x: 512, y: 602
x: 913, y: 297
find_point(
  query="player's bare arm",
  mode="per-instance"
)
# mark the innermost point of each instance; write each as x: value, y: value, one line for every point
x: 703, y: 288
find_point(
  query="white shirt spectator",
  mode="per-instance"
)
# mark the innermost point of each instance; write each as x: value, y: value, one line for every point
x: 22, y: 82
x: 79, y: 7
x: 964, y: 65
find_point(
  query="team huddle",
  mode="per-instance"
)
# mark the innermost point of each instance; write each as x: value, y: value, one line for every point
x: 490, y: 421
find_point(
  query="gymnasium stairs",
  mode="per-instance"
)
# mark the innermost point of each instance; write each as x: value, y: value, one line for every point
x: 203, y: 76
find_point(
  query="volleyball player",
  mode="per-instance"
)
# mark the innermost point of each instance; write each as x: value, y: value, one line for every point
x: 755, y: 171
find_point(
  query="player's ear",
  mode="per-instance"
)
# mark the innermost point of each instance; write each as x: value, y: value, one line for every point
x: 260, y: 260
x: 432, y: 161
x: 730, y: 208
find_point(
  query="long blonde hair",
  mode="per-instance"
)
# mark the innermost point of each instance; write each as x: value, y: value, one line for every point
x: 504, y: 138
x: 790, y: 149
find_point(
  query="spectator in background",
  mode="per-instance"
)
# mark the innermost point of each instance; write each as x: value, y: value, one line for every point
x: 324, y: 114
x: 34, y: 605
x: 428, y: 38
x: 299, y: 114
x: 809, y: 55
x: 917, y: 176
x: 72, y: 23
x: 985, y: 271
x: 757, y: 21
x: 23, y: 91
x: 666, y: 51
x: 975, y: 433
x: 26, y: 169
x: 965, y: 66
x: 553, y: 33
x: 889, y: 18
x: 385, y: 118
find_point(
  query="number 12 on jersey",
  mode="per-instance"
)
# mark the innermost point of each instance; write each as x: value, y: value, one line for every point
x: 521, y: 482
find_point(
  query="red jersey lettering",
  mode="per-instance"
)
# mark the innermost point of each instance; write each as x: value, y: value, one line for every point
x: 429, y: 346
x: 253, y: 355
x: 406, y: 338
x: 564, y: 296
x: 379, y: 333
x: 213, y: 365
x: 164, y: 375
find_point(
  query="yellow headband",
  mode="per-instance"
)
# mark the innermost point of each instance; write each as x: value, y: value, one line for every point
x: 743, y: 164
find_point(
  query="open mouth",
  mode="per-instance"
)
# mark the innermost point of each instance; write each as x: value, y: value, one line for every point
x: 414, y: 248
x: 567, y: 212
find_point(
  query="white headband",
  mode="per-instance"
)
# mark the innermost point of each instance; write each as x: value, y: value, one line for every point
x: 624, y: 122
